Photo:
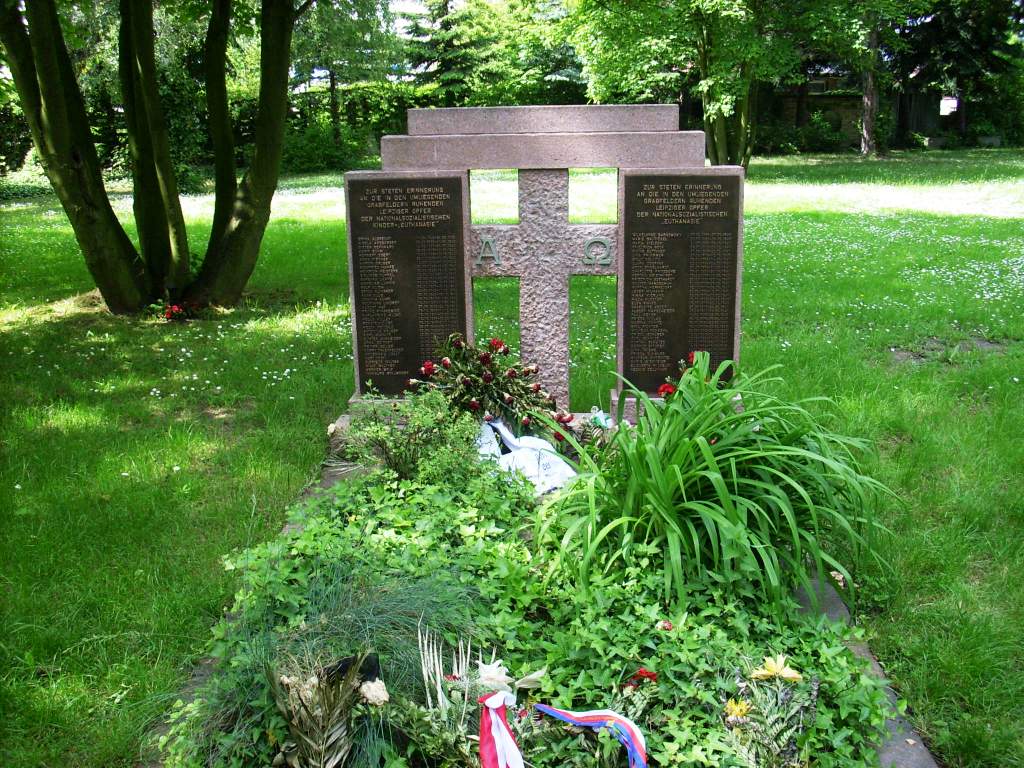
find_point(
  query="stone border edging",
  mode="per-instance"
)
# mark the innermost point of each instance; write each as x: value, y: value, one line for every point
x: 904, y: 747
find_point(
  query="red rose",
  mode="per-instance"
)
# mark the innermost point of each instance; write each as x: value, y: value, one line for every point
x: 446, y: 362
x: 428, y: 368
x: 496, y: 344
x: 488, y: 377
x: 485, y: 358
x: 526, y: 421
x: 511, y: 373
x: 474, y: 404
x: 666, y: 389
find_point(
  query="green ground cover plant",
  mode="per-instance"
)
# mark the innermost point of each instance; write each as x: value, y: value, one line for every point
x: 388, y: 535
x: 874, y: 282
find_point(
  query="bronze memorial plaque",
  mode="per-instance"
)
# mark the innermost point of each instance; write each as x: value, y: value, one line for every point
x: 680, y: 271
x: 408, y: 274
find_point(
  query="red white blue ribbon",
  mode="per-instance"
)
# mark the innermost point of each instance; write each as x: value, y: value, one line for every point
x: 622, y: 728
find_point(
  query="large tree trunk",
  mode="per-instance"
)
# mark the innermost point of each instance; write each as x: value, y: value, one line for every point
x: 869, y: 99
x: 54, y: 109
x: 234, y: 249
x: 150, y: 118
x: 147, y: 203
x: 219, y: 118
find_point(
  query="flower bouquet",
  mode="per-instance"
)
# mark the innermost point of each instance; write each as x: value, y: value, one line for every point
x: 489, y: 382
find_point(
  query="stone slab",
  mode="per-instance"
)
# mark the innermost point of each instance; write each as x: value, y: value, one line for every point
x: 408, y: 277
x: 593, y: 118
x: 680, y: 269
x: 664, y: 149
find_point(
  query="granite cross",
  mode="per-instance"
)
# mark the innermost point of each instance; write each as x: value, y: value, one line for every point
x: 544, y: 250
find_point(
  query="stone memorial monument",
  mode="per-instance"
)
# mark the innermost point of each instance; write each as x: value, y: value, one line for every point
x: 676, y: 249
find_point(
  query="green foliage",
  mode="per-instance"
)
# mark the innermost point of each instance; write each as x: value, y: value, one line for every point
x: 358, y: 566
x: 494, y: 53
x: 416, y: 437
x: 325, y: 590
x: 729, y: 495
x: 315, y: 148
x: 15, y: 139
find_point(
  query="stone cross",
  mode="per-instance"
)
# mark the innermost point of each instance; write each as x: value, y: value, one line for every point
x: 544, y: 250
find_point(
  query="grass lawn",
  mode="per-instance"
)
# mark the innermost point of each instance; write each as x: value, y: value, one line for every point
x: 133, y: 453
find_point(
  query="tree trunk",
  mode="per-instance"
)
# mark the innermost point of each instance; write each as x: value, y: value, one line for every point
x: 52, y: 103
x: 231, y: 259
x: 150, y: 118
x: 961, y: 112
x: 222, y: 138
x: 147, y: 204
x: 869, y: 99
x: 335, y: 114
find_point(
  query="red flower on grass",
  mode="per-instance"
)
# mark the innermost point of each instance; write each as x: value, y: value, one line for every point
x: 496, y: 344
x: 488, y: 377
x: 485, y: 358
x: 511, y: 373
x: 666, y: 389
x: 446, y: 362
x: 428, y: 369
x: 526, y: 421
x: 474, y: 404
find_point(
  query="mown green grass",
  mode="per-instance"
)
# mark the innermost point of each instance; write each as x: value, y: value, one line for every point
x: 109, y: 562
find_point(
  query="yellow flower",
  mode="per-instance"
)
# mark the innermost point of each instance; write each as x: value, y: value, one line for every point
x: 776, y: 667
x: 737, y: 709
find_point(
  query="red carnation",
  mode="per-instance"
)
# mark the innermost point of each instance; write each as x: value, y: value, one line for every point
x: 485, y: 358
x: 496, y: 344
x: 474, y: 404
x: 666, y: 389
x: 526, y: 421
x: 428, y: 368
x: 488, y: 377
x: 511, y: 373
x: 446, y: 362
x: 536, y: 386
